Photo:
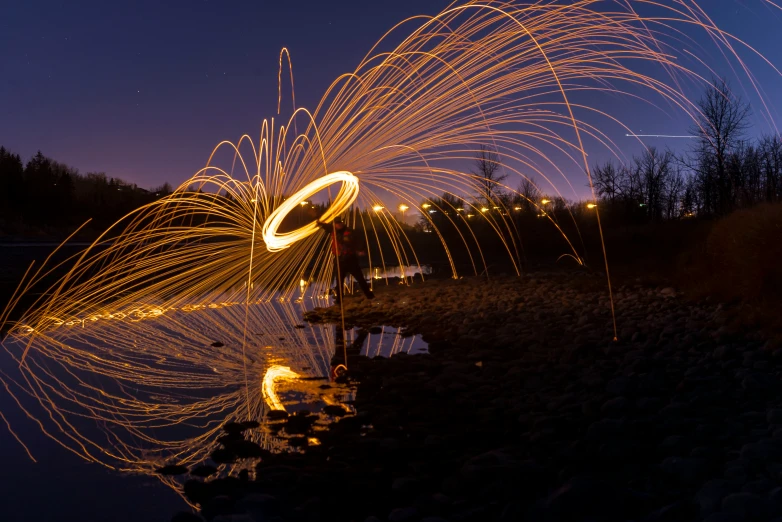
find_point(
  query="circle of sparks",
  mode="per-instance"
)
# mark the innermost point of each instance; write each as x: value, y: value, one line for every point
x: 347, y: 195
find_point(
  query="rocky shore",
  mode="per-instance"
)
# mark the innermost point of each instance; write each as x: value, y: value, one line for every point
x: 527, y: 409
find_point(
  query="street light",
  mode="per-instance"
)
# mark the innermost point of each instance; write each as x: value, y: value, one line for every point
x: 545, y: 201
x: 402, y: 209
x: 591, y: 205
x: 304, y: 203
x: 426, y: 205
x: 377, y: 208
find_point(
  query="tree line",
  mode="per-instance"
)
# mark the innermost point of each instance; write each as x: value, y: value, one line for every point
x: 724, y: 171
x: 48, y: 194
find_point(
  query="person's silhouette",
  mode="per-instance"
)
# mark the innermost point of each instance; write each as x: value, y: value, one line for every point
x: 344, y: 353
x: 346, y: 250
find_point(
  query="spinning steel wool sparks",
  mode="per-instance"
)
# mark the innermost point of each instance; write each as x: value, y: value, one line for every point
x: 121, y: 341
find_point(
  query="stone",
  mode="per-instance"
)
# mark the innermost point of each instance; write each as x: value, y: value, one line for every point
x: 723, y: 517
x: 184, y: 516
x: 605, y: 428
x: 709, y: 497
x: 621, y: 385
x: 615, y: 406
x: 234, y: 517
x: 487, y: 465
x: 745, y: 505
x: 774, y: 416
x: 404, y: 484
x: 583, y: 497
x: 762, y: 451
x: 687, y: 470
x: 406, y: 514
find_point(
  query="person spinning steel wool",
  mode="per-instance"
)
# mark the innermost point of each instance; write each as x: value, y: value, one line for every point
x: 346, y: 250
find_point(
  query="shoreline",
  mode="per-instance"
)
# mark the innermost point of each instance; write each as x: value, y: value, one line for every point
x: 526, y: 409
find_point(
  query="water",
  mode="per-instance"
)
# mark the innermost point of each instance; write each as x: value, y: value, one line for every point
x: 177, y: 350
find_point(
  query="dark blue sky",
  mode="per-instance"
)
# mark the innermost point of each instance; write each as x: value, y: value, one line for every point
x: 144, y: 90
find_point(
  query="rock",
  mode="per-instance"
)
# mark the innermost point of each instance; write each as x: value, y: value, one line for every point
x: 758, y: 487
x: 615, y: 406
x: 172, y: 469
x: 745, y: 505
x: 775, y: 500
x: 234, y: 517
x: 234, y: 427
x: 584, y: 498
x: 276, y: 414
x: 405, y: 484
x: 774, y: 416
x: 487, y: 465
x: 335, y: 410
x: 762, y: 451
x: 184, y: 516
x: 710, y: 496
x: 244, y: 449
x: 757, y: 381
x: 686, y: 470
x: 723, y: 517
x: 203, y: 471
x: 668, y: 292
x: 406, y: 514
x: 722, y: 352
x: 605, y: 429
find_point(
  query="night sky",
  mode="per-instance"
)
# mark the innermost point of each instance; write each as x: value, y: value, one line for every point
x: 144, y: 90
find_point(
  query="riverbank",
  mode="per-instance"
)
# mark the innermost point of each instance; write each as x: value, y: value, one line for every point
x: 525, y: 409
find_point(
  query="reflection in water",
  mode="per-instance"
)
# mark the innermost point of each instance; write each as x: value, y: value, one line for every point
x: 136, y: 394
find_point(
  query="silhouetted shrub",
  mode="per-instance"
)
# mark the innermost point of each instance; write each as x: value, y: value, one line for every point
x: 740, y: 258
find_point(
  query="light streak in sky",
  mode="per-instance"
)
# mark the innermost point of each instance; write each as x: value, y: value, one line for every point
x: 657, y: 136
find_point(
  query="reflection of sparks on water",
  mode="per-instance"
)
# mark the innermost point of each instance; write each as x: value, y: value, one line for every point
x: 131, y: 394
x: 273, y: 374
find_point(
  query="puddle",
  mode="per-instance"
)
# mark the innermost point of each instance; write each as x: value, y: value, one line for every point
x: 311, y: 403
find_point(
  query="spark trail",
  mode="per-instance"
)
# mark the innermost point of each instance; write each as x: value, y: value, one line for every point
x: 120, y: 342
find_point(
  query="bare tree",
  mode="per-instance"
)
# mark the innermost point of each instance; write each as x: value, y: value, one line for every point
x: 770, y: 159
x: 653, y: 169
x: 487, y: 167
x: 721, y: 123
x: 675, y: 187
x: 527, y: 192
x: 606, y: 179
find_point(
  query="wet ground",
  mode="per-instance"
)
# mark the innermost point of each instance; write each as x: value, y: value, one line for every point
x: 77, y: 490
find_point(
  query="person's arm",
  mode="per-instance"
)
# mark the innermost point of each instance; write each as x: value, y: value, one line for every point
x: 327, y: 227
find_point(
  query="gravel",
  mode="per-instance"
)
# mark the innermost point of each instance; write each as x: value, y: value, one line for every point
x: 526, y: 408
